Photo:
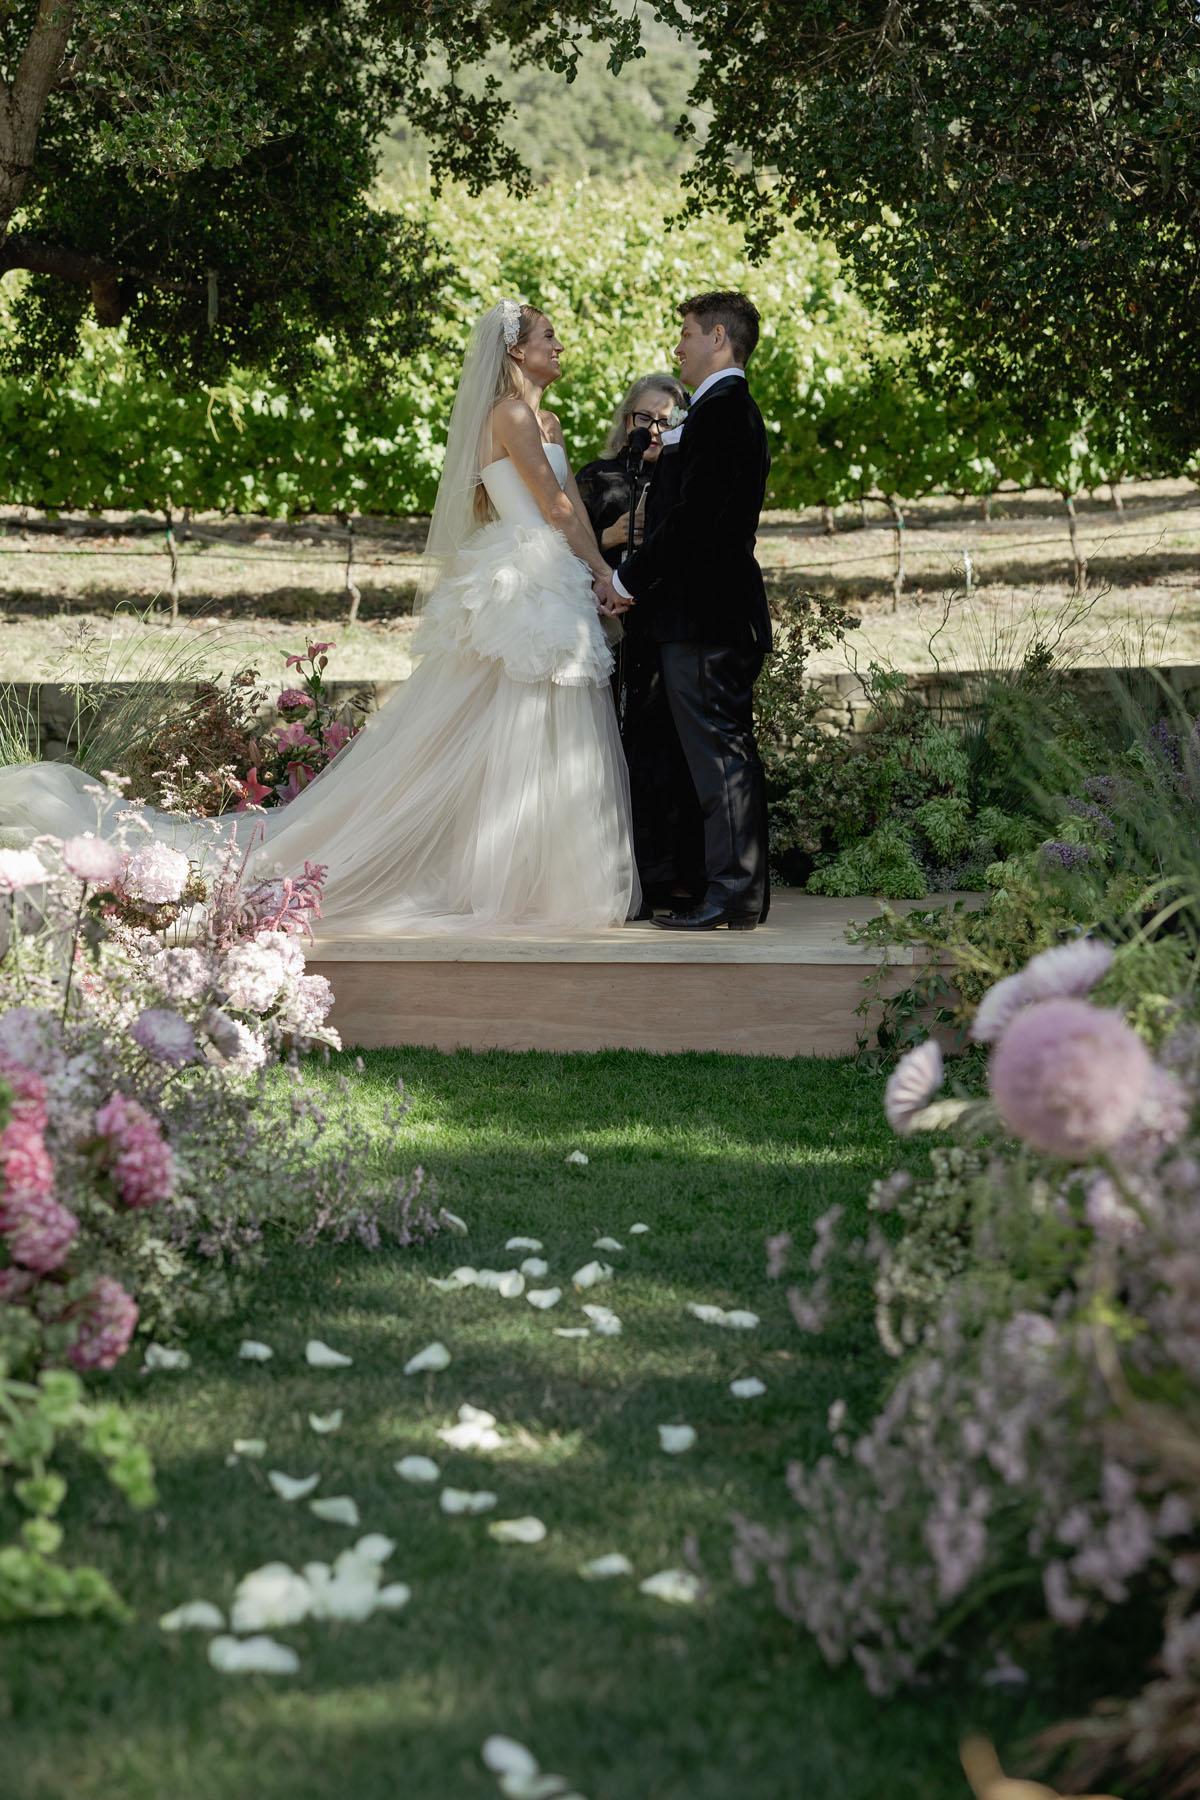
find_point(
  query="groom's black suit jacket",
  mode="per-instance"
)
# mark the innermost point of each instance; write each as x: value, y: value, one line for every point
x: 695, y: 578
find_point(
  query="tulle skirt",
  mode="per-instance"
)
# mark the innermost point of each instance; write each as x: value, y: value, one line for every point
x: 490, y: 793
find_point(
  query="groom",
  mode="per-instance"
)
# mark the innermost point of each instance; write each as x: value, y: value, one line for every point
x: 701, y: 592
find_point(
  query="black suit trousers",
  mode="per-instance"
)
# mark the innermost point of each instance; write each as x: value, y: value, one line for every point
x: 710, y: 691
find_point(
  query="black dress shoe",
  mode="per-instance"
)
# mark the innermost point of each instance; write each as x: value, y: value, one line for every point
x: 707, y: 917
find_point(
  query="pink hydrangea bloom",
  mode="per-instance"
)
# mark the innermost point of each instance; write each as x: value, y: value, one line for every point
x: 15, y: 1284
x: 28, y: 1170
x: 912, y: 1084
x: 1069, y: 1078
x: 28, y: 1090
x: 314, y: 998
x: 105, y: 1325
x: 253, y: 974
x: 291, y: 698
x: 92, y: 859
x: 157, y: 874
x: 19, y: 869
x: 140, y: 1161
x: 164, y: 1036
x: 37, y: 1230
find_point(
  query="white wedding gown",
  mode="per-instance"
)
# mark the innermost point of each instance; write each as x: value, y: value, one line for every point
x: 489, y: 794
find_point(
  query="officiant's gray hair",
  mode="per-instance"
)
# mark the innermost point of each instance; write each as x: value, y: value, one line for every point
x: 658, y: 383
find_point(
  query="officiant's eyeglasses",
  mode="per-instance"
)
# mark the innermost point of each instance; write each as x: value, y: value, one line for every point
x: 651, y: 421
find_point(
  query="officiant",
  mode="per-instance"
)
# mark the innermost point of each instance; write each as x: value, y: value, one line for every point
x: 668, y: 829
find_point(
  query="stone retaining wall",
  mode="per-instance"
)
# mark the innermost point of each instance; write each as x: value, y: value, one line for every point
x: 52, y: 710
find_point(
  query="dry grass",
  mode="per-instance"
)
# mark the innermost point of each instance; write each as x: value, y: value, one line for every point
x: 267, y: 584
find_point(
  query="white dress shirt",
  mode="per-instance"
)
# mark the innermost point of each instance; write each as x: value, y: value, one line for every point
x: 673, y: 436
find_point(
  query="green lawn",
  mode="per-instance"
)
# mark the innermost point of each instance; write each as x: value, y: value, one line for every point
x: 630, y: 1697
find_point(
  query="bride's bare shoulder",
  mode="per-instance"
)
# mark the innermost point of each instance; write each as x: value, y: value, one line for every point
x: 550, y: 428
x: 512, y: 415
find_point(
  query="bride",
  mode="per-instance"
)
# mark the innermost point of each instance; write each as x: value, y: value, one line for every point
x: 490, y: 793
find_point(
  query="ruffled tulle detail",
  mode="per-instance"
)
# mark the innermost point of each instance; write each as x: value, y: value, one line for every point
x: 519, y: 596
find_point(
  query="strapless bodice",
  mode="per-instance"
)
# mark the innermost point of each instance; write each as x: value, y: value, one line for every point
x: 508, y: 494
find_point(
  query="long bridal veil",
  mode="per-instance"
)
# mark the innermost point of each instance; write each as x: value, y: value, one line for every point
x: 474, y: 800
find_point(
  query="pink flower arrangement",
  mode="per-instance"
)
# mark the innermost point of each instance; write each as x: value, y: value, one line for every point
x: 291, y: 699
x: 254, y: 792
x: 335, y: 737
x: 295, y: 737
x: 299, y: 774
x: 105, y: 1324
x: 1069, y: 1078
x: 310, y: 655
x: 139, y: 1160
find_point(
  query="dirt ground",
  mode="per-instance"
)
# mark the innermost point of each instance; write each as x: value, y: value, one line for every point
x: 251, y: 590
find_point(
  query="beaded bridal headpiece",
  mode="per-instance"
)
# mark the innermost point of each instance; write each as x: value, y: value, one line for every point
x: 510, y: 321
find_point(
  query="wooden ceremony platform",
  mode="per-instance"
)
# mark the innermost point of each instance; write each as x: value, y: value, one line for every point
x: 788, y: 989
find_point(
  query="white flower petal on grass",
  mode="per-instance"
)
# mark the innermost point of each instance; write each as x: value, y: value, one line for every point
x: 592, y: 1275
x: 517, y: 1531
x: 373, y: 1548
x: 679, y: 1587
x: 448, y: 1286
x: 250, y: 1446
x: 476, y: 1430
x: 511, y: 1285
x: 675, y: 1439
x: 159, y: 1357
x: 736, y: 1320
x: 194, y: 1615
x: 250, y: 1350
x: 998, y: 1008
x: 338, y: 1509
x: 637, y: 1230
x: 269, y: 1598
x: 433, y: 1357
x: 453, y: 1223
x: 606, y: 1243
x: 321, y: 1356
x: 488, y: 1279
x: 504, y: 1756
x: 572, y: 1331
x: 461, y: 1500
x: 605, y: 1568
x: 253, y: 1656
x: 577, y: 1159
x: 417, y: 1469
x: 535, y: 1267
x: 326, y: 1423
x: 291, y: 1487
x: 1070, y: 970
x: 465, y: 1275
x: 912, y: 1084
x: 524, y: 1243
x: 605, y: 1322
x: 544, y: 1298
x: 347, y: 1591
x: 749, y: 1387
x: 707, y: 1315
x: 392, y: 1597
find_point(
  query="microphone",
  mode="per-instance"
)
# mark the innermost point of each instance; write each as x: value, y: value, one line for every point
x: 640, y: 440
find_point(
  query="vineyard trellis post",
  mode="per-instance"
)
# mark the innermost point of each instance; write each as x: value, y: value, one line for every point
x: 173, y: 553
x: 353, y: 593
x: 898, y: 529
x: 1079, y: 560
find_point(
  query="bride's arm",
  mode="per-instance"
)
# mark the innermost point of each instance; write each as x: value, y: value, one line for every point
x: 515, y: 433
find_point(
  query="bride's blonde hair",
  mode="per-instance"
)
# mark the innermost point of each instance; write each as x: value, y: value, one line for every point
x: 508, y: 387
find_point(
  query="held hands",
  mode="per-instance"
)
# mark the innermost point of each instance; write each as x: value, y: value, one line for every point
x: 609, y: 604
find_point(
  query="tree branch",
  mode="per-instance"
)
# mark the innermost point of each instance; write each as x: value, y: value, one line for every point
x: 113, y: 285
x: 22, y: 104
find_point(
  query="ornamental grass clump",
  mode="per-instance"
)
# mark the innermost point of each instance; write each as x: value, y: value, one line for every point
x: 1041, y: 1440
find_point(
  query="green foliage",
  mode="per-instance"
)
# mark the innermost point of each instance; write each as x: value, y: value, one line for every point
x: 849, y: 411
x: 38, y: 1421
x: 1014, y: 182
x: 203, y: 173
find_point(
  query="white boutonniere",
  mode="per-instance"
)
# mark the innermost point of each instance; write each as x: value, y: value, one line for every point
x: 676, y: 417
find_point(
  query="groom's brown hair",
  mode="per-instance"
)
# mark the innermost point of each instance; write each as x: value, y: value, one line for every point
x: 734, y: 311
